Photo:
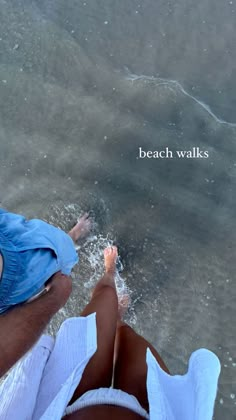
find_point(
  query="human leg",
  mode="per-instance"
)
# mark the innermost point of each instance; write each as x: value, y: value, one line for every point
x: 82, y: 228
x: 130, y: 374
x: 98, y: 372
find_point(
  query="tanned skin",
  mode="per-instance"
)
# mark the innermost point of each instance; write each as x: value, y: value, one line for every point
x: 22, y: 326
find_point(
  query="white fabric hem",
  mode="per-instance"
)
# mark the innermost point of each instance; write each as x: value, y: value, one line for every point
x: 108, y: 396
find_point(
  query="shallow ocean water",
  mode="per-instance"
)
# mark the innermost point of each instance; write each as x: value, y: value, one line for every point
x: 83, y: 85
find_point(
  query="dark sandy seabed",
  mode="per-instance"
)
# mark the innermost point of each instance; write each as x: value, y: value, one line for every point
x: 82, y: 86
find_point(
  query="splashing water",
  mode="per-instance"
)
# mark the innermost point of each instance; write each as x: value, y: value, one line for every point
x: 91, y: 266
x: 92, y: 254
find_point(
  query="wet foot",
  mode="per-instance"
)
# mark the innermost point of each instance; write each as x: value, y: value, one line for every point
x: 82, y: 228
x: 110, y: 256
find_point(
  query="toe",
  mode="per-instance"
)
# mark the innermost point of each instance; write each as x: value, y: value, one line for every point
x: 107, y: 251
x: 114, y: 250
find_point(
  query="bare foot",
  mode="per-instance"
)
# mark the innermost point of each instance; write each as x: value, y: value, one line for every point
x: 110, y: 256
x: 82, y: 228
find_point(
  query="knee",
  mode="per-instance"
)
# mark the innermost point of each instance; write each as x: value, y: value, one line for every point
x: 124, y: 329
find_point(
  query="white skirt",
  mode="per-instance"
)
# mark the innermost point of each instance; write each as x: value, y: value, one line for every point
x: 41, y: 385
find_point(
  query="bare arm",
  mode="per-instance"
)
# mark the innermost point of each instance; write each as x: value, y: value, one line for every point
x: 22, y: 326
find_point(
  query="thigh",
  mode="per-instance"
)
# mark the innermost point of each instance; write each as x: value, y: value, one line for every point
x: 98, y: 372
x: 130, y: 374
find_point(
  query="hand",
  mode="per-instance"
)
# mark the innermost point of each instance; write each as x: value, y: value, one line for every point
x: 60, y: 286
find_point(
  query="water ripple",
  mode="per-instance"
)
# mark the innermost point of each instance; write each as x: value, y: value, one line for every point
x: 177, y: 86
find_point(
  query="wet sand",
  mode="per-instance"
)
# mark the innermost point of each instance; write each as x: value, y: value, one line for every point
x: 82, y: 87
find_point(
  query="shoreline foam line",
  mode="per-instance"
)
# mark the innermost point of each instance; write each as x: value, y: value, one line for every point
x: 133, y: 77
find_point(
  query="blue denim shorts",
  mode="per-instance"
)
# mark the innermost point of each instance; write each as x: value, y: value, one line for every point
x: 32, y: 251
